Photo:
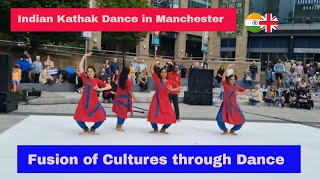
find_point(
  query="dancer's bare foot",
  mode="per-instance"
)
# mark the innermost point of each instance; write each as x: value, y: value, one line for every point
x: 224, y: 133
x: 233, y: 133
x: 178, y: 120
x: 93, y: 131
x: 84, y: 133
x: 163, y: 131
x: 154, y: 131
x: 119, y: 128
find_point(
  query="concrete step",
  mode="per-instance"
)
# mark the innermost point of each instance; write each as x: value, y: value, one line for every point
x: 73, y: 98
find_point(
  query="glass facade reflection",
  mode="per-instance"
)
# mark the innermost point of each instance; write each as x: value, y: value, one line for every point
x: 199, y: 3
x: 289, y: 11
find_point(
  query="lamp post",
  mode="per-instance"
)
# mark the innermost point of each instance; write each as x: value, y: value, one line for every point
x: 204, y: 47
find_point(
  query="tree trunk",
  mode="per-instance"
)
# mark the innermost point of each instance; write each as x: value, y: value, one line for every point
x: 123, y: 59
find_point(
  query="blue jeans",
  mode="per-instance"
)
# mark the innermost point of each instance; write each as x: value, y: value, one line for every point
x: 155, y: 126
x: 253, y: 76
x: 253, y: 101
x: 84, y: 126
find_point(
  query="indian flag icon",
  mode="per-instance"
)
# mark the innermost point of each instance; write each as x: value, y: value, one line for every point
x: 252, y: 22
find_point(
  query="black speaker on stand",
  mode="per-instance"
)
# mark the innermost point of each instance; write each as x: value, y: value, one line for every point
x: 8, y: 100
x: 200, y: 85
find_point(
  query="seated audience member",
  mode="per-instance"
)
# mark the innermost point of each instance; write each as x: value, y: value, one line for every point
x: 103, y: 75
x: 109, y: 94
x: 264, y: 91
x: 143, y: 81
x: 291, y: 77
x: 62, y: 78
x: 316, y: 80
x: 45, y: 77
x: 303, y: 84
x: 272, y: 96
x: 256, y: 96
x: 247, y: 78
x: 286, y: 96
x: 78, y: 82
x: 270, y: 77
x: 311, y: 99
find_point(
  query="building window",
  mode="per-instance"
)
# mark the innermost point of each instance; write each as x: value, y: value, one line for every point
x: 166, y: 3
x: 199, y: 3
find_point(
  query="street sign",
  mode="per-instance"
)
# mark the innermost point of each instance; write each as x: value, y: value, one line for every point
x: 205, y: 38
x: 87, y: 34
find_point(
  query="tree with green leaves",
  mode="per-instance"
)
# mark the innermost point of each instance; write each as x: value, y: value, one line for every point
x: 33, y: 40
x: 124, y: 40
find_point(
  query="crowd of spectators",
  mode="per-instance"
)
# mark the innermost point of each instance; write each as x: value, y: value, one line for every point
x: 290, y: 83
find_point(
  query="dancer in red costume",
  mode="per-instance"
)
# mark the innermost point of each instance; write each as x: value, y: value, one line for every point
x: 160, y: 110
x: 123, y: 100
x: 230, y: 111
x: 89, y: 108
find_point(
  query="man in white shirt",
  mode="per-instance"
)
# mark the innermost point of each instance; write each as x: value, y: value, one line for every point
x: 36, y: 69
x: 142, y: 66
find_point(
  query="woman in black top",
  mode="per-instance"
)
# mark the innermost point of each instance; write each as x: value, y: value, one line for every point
x: 219, y: 74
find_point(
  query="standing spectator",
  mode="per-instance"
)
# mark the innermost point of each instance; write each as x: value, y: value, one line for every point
x: 45, y: 77
x: 279, y: 69
x: 205, y: 64
x: 25, y: 67
x: 15, y: 77
x: 114, y: 67
x: 49, y: 63
x: 293, y: 64
x: 115, y: 78
x: 108, y: 71
x: 219, y: 74
x: 287, y: 65
x: 136, y: 69
x: 142, y: 66
x: 132, y: 73
x: 143, y: 81
x: 173, y: 95
x: 256, y: 96
x: 157, y: 68
x: 28, y: 56
x: 36, y: 69
x: 253, y: 70
x: 299, y: 69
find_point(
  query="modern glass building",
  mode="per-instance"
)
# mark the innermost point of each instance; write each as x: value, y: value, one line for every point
x: 297, y: 36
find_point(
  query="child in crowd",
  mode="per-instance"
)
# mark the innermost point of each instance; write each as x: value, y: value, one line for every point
x: 16, y: 77
x: 311, y: 99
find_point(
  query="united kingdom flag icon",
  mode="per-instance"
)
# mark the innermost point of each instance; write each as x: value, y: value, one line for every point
x: 268, y: 23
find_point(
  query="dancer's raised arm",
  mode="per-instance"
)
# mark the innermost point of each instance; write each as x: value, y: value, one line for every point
x: 81, y: 70
x: 226, y: 71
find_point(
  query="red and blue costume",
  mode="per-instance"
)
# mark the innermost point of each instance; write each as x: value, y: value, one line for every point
x: 123, y: 102
x: 89, y: 108
x: 230, y: 111
x: 161, y: 110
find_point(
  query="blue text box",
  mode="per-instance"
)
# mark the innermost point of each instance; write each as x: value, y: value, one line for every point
x: 159, y: 159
